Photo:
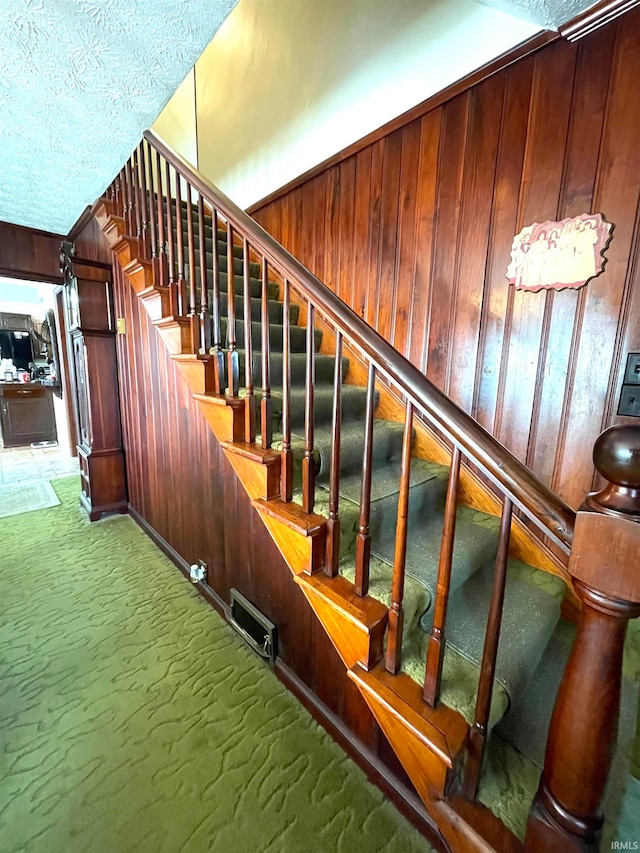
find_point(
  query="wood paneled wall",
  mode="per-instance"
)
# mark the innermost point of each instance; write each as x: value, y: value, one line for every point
x: 414, y: 232
x: 29, y: 254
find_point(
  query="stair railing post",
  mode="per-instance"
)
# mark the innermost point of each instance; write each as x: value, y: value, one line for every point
x: 233, y: 363
x: 286, y: 466
x: 566, y: 810
x: 250, y: 397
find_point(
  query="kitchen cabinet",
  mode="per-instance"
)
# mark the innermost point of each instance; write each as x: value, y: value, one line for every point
x: 15, y: 322
x: 26, y: 414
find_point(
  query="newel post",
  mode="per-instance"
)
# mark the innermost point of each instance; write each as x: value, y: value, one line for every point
x: 565, y: 814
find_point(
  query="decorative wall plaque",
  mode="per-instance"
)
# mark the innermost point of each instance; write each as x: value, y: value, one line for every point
x: 555, y: 255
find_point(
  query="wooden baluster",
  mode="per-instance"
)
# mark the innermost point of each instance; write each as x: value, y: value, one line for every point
x: 119, y: 201
x: 152, y: 211
x: 136, y: 196
x: 363, y: 537
x: 193, y: 300
x: 128, y: 204
x: 308, y: 462
x: 333, y: 524
x: 180, y: 282
x: 566, y: 810
x: 171, y: 266
x: 217, y: 345
x: 233, y: 365
x: 250, y: 398
x: 162, y: 256
x: 144, y: 199
x: 396, y: 613
x: 436, y: 646
x: 266, y: 404
x: 205, y: 324
x: 286, y: 466
x: 478, y: 732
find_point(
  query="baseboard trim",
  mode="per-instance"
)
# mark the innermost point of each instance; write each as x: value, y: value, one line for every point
x: 407, y: 802
x: 209, y: 594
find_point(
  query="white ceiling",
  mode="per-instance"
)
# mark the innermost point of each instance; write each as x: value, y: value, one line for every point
x: 80, y: 80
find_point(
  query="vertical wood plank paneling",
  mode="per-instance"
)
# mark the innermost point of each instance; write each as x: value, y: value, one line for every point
x: 346, y: 208
x: 475, y: 221
x: 446, y: 238
x: 362, y: 232
x: 332, y: 230
x: 318, y: 224
x: 407, y: 212
x: 583, y: 144
x: 422, y: 245
x: 389, y: 201
x: 498, y: 297
x: 371, y: 283
x: 421, y: 285
x: 616, y: 195
x: 541, y: 182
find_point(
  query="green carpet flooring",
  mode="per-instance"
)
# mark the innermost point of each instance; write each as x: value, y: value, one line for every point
x: 133, y: 719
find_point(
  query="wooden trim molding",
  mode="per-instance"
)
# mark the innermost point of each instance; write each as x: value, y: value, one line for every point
x: 596, y: 16
x: 26, y: 275
x: 37, y: 231
x: 503, y: 61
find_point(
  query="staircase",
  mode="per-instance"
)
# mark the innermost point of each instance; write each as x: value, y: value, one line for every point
x: 389, y: 533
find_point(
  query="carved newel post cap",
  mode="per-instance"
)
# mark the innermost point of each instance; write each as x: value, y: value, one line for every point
x: 616, y: 455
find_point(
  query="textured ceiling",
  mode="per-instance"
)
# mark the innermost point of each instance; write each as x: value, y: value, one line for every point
x: 79, y: 82
x: 550, y: 14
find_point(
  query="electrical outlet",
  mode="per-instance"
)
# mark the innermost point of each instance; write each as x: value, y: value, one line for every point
x: 198, y: 572
x: 630, y: 401
x: 632, y: 373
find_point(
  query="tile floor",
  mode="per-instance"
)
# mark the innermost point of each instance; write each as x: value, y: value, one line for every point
x: 21, y: 464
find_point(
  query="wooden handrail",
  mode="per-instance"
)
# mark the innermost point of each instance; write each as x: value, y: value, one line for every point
x: 545, y: 509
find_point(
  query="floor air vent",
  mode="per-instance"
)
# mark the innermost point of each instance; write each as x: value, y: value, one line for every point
x: 255, y: 629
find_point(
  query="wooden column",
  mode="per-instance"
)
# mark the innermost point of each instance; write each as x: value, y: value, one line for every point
x: 566, y: 811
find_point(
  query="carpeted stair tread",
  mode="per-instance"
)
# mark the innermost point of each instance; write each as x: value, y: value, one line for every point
x: 530, y: 616
x: 473, y: 544
x: 324, y: 366
x: 459, y: 675
x: 386, y: 441
x: 297, y: 336
x: 255, y: 283
x: 387, y: 444
x: 385, y: 481
x: 275, y: 308
x: 255, y: 286
x: 238, y: 265
x: 353, y: 404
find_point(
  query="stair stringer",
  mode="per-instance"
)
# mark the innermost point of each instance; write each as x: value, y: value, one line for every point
x: 428, y: 742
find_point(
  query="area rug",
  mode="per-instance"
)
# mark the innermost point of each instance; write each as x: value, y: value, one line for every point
x: 26, y: 497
